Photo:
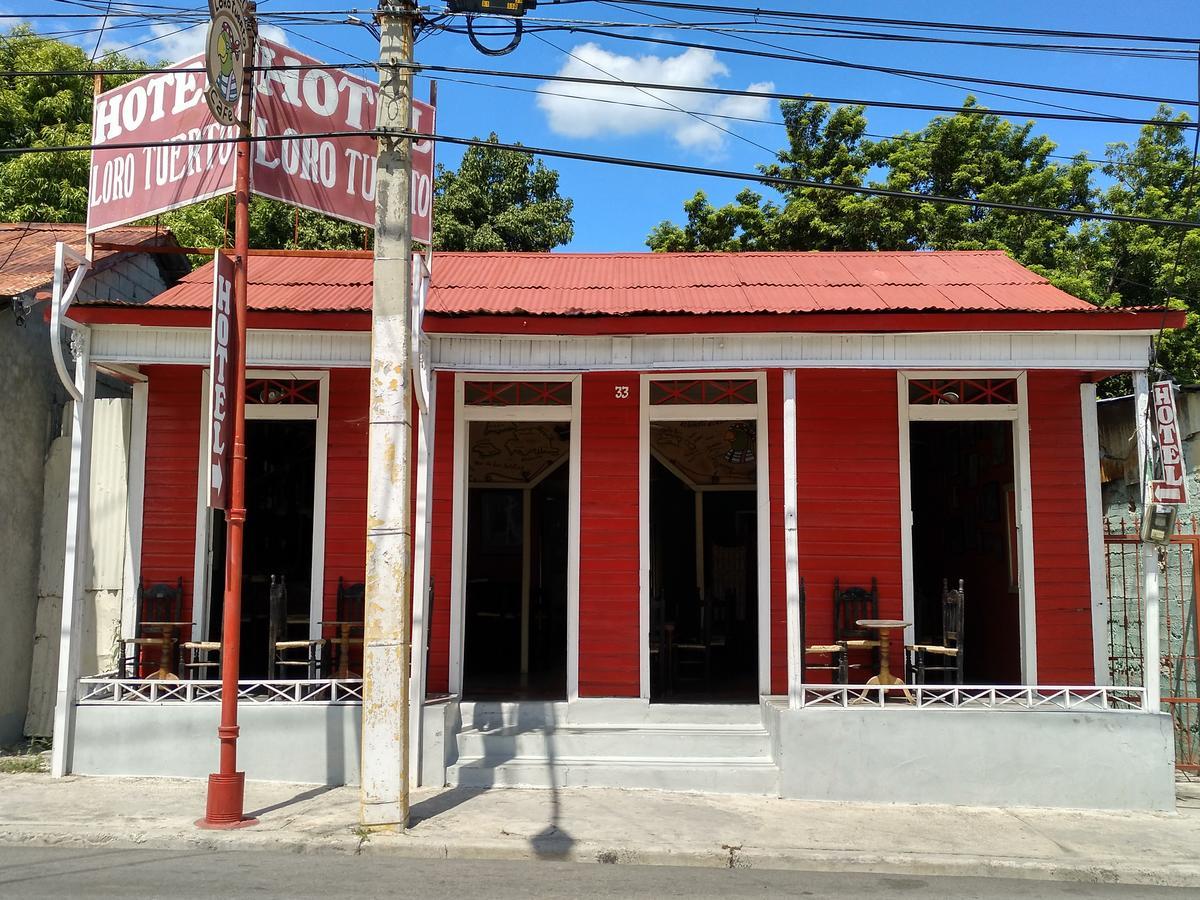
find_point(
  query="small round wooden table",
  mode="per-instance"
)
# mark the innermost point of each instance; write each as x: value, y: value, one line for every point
x: 885, y: 627
x: 168, y: 638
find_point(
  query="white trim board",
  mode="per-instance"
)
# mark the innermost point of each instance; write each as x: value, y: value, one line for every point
x: 1018, y: 415
x: 1094, y: 506
x: 720, y: 412
x: 463, y: 416
x: 318, y: 413
x: 1121, y: 351
x: 678, y: 352
x: 135, y: 506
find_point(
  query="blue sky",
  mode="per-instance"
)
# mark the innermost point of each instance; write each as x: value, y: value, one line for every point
x: 615, y: 208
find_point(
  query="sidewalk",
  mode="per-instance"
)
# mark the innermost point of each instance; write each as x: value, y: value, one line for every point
x: 614, y: 826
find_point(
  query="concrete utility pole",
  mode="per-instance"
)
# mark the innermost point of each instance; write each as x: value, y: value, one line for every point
x: 386, y: 647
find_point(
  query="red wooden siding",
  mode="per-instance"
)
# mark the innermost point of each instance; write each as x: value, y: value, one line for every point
x: 441, y: 536
x: 848, y: 489
x: 609, y: 537
x: 1060, y: 553
x: 346, y: 483
x: 172, y: 468
x: 774, y: 445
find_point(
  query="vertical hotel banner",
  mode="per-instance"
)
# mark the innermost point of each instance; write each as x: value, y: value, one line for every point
x: 220, y: 401
x: 295, y: 95
x: 1172, y: 487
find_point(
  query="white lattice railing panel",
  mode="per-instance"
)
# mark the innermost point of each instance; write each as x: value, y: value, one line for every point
x: 103, y: 689
x: 939, y: 696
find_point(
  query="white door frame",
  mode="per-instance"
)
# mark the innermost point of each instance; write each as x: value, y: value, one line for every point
x: 1016, y: 413
x: 201, y: 593
x: 463, y: 416
x: 708, y: 412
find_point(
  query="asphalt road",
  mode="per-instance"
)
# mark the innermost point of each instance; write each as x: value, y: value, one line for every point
x: 180, y: 875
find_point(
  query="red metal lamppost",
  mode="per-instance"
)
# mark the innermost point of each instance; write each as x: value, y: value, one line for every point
x: 226, y: 788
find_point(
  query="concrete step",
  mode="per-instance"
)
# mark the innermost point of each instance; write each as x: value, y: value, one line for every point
x: 711, y: 775
x: 616, y: 741
x: 605, y: 711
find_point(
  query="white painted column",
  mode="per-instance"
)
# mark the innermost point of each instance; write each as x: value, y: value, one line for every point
x: 1095, y: 531
x: 421, y: 582
x: 1023, y: 472
x: 135, y: 499
x: 75, y: 561
x: 1150, y: 616
x: 526, y: 577
x: 791, y: 542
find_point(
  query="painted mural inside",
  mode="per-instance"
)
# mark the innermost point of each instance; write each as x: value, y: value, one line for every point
x: 707, y: 453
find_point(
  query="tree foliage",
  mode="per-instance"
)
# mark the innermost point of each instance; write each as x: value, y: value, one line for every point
x: 47, y: 111
x: 499, y: 200
x: 982, y: 157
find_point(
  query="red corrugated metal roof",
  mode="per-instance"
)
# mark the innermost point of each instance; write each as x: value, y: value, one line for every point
x: 27, y: 251
x: 579, y: 284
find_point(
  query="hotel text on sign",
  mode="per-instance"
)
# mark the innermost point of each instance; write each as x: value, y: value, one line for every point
x: 224, y: 335
x: 295, y: 95
x: 1172, y: 487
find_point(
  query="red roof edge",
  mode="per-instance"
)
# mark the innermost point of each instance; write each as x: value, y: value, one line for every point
x: 1142, y: 319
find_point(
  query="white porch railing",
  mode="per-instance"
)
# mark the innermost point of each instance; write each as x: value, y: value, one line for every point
x: 106, y: 689
x: 942, y: 696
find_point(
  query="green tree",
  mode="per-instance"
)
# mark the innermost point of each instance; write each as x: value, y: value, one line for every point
x: 499, y: 200
x: 979, y: 157
x: 47, y: 111
x: 272, y: 224
x: 823, y: 145
x: 1146, y: 265
x: 964, y: 155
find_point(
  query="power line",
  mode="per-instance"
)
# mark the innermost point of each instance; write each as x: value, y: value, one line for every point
x: 903, y: 23
x: 909, y: 138
x: 677, y: 108
x: 735, y: 28
x: 628, y: 162
x: 188, y: 142
x: 889, y: 70
x: 923, y: 80
x: 651, y: 85
x: 813, y: 59
x: 1187, y: 207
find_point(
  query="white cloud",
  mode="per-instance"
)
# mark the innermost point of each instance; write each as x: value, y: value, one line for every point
x: 654, y: 112
x: 175, y: 42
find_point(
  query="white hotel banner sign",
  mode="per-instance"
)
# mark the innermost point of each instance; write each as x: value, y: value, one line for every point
x: 220, y: 399
x: 1172, y: 487
x: 331, y: 175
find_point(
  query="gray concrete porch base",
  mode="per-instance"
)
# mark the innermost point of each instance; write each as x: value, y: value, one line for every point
x: 311, y: 743
x: 965, y: 757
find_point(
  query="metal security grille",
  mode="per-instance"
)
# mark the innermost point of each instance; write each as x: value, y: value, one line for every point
x: 1179, y: 665
x: 282, y: 391
x: 517, y: 393
x: 971, y: 391
x: 703, y: 391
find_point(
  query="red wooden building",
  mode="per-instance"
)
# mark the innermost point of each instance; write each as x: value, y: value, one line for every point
x: 640, y: 479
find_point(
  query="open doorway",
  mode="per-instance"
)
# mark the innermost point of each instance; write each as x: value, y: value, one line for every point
x: 703, y: 562
x: 518, y: 511
x: 278, y: 540
x: 964, y: 527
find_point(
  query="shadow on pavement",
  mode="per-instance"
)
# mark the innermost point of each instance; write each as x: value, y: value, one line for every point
x: 291, y: 801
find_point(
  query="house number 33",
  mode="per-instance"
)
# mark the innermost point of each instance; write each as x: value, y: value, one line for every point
x: 621, y: 391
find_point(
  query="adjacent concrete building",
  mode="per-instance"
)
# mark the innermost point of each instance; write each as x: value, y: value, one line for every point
x: 32, y: 402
